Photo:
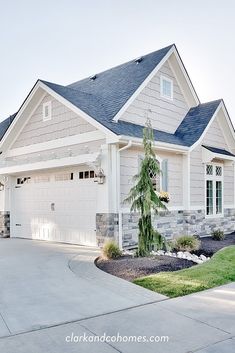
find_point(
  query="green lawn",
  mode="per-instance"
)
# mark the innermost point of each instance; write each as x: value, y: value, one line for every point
x: 217, y: 271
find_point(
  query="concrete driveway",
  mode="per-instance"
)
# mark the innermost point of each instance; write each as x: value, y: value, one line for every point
x: 51, y: 293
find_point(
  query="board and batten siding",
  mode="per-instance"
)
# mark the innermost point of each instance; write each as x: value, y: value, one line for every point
x: 215, y: 138
x: 129, y: 166
x: 63, y: 123
x: 166, y: 114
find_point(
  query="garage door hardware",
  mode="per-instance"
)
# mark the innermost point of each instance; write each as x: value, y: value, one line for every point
x: 18, y: 224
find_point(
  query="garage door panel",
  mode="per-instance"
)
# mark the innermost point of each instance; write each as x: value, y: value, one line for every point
x: 70, y: 219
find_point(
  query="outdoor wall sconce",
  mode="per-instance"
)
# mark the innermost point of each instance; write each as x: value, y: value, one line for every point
x: 100, y: 177
x: 1, y: 186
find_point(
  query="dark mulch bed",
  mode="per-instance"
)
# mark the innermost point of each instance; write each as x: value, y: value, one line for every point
x: 209, y: 246
x: 130, y: 268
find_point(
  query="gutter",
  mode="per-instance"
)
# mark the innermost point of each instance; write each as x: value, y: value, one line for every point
x: 126, y: 147
x: 158, y: 145
x: 129, y: 144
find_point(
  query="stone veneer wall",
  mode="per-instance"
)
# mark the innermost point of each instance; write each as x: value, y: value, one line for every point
x: 4, y: 224
x: 176, y: 223
x: 107, y: 227
x: 196, y: 223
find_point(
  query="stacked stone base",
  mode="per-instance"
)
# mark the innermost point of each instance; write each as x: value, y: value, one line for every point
x: 107, y: 227
x: 169, y: 224
x: 4, y: 224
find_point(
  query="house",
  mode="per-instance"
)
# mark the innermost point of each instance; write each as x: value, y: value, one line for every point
x: 68, y: 156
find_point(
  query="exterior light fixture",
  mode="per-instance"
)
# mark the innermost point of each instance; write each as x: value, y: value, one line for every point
x: 100, y: 177
x: 1, y: 186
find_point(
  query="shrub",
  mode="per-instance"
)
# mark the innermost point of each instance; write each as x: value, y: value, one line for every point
x: 186, y: 243
x: 111, y: 250
x: 217, y: 235
x: 160, y: 242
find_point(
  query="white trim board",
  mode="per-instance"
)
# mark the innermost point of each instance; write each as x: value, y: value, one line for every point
x: 143, y: 85
x: 38, y: 88
x: 50, y: 164
x: 77, y: 110
x: 62, y: 142
x: 206, y: 129
x: 171, y: 51
x: 208, y: 156
x: 221, y: 106
x: 157, y: 144
x: 35, y: 90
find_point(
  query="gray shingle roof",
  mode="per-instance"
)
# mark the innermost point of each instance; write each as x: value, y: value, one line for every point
x: 4, y: 125
x: 104, y: 96
x: 219, y: 151
x: 116, y: 85
x: 187, y: 133
x: 93, y: 106
x: 195, y: 122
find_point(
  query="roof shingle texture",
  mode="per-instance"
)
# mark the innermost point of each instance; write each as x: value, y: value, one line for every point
x: 103, y: 97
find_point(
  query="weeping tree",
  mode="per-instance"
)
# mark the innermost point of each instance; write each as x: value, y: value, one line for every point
x: 142, y: 196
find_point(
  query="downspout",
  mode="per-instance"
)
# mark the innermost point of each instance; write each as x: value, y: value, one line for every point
x: 118, y: 192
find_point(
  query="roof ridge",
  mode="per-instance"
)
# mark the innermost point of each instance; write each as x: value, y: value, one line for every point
x: 125, y: 63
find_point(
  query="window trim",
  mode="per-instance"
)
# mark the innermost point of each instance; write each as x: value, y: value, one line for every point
x: 214, y: 178
x: 47, y: 104
x: 164, y: 78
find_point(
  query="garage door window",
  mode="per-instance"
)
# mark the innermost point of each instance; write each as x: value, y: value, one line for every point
x: 41, y: 178
x: 24, y: 180
x: 64, y: 176
x: 87, y: 174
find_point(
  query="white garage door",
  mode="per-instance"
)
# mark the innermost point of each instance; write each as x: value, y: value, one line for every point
x: 58, y: 207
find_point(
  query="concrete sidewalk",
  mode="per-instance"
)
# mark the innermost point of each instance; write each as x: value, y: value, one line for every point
x: 49, y: 292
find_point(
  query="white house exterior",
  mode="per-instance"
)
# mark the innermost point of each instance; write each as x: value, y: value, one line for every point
x: 63, y: 136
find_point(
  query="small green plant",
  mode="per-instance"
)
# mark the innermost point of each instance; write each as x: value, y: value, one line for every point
x: 160, y: 242
x: 217, y: 235
x: 111, y: 250
x: 186, y: 243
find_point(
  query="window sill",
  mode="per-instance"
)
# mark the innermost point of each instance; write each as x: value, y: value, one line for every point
x: 166, y: 97
x: 221, y: 215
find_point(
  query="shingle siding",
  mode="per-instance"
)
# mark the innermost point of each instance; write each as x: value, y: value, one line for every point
x: 129, y: 166
x: 63, y: 123
x: 166, y: 115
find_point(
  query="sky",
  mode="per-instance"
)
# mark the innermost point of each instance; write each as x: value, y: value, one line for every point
x: 63, y: 41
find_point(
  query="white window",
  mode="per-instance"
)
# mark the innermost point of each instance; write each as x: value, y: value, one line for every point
x: 46, y: 111
x: 214, y: 190
x: 166, y: 87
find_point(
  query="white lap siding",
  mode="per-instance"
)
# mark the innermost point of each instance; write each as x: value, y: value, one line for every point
x: 229, y: 186
x: 63, y: 123
x: 197, y: 179
x: 166, y: 114
x: 129, y: 166
x: 215, y: 138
